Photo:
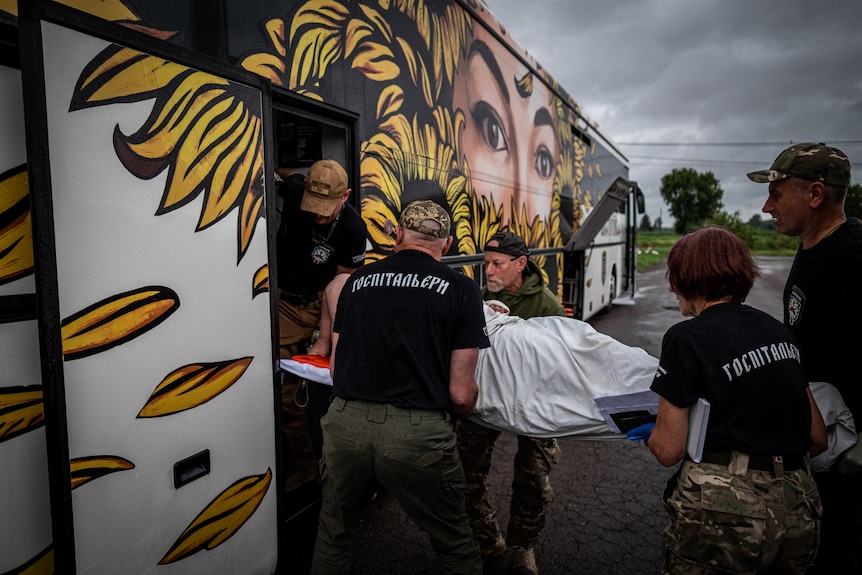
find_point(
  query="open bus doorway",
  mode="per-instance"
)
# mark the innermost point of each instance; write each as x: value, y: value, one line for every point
x: 304, y: 132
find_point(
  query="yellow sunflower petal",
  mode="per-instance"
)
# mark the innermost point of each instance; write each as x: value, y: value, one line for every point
x: 418, y: 72
x: 221, y: 518
x: 252, y: 205
x: 390, y: 101
x: 21, y: 410
x: 193, y: 100
x: 376, y: 213
x: 86, y: 469
x: 120, y: 74
x: 116, y: 320
x: 16, y: 230
x: 41, y: 564
x: 372, y: 58
x: 375, y: 61
x: 269, y: 66
x: 260, y: 282
x: 193, y: 385
x: 316, y: 40
x: 204, y: 146
x: 234, y: 174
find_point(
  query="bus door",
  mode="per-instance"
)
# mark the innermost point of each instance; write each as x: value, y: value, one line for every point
x: 305, y: 131
x: 149, y: 180
x: 25, y: 531
x: 578, y: 281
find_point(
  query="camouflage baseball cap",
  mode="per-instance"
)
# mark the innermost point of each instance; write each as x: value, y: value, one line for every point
x: 417, y: 214
x: 814, y: 162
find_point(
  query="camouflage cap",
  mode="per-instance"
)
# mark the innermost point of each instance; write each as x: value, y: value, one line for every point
x: 325, y: 185
x: 815, y: 162
x: 509, y: 244
x: 416, y: 215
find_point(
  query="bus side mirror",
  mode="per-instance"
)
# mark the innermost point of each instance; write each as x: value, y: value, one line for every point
x: 639, y: 198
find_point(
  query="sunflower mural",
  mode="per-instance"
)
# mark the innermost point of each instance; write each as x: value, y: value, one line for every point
x: 201, y: 144
x: 453, y: 117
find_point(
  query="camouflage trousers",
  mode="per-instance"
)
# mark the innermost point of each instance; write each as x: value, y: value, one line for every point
x: 729, y: 519
x: 531, y: 487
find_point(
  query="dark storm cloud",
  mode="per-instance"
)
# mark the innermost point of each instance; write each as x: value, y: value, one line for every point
x: 708, y: 71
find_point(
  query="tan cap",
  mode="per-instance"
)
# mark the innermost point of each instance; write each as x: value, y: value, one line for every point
x: 416, y: 215
x: 325, y: 185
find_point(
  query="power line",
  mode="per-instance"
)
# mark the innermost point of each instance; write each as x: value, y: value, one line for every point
x: 696, y: 161
x: 736, y: 144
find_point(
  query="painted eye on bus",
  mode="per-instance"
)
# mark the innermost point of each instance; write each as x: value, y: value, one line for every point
x: 490, y: 126
x: 544, y: 163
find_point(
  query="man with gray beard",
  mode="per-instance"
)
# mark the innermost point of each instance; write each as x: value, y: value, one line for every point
x: 518, y: 282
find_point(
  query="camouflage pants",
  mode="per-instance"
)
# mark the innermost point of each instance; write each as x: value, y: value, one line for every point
x: 531, y: 487
x: 729, y: 519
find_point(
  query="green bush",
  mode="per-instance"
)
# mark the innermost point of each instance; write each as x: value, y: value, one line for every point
x: 653, y: 246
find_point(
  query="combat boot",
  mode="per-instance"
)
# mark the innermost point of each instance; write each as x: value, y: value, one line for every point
x: 524, y: 562
x: 495, y: 550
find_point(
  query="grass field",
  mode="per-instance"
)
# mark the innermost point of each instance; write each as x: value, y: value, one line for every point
x: 653, y: 246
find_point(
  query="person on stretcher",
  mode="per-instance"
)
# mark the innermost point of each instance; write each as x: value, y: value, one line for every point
x: 569, y: 360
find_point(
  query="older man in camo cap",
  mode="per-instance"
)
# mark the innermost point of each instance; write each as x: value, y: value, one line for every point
x: 808, y: 185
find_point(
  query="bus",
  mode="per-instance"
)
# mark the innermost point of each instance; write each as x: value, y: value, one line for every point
x: 138, y: 335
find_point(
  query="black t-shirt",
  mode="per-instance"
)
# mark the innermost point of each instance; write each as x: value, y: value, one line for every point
x: 397, y: 321
x: 309, y: 255
x: 747, y: 365
x: 823, y: 308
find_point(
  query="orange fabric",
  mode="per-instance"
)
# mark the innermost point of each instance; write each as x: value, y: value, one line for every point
x: 315, y: 360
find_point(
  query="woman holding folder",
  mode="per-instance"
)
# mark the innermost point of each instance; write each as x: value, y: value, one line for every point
x: 750, y: 505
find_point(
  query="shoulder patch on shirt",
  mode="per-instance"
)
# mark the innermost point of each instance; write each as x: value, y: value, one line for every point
x: 794, y: 305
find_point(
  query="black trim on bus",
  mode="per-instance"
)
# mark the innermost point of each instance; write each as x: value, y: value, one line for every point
x: 17, y: 307
x: 10, y: 54
x: 580, y: 135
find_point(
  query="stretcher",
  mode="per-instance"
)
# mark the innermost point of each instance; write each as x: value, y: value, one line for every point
x: 540, y: 377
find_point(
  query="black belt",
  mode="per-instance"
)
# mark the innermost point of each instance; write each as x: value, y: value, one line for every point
x: 790, y: 462
x: 297, y: 299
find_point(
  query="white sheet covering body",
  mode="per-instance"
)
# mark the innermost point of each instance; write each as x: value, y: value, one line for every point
x: 540, y: 375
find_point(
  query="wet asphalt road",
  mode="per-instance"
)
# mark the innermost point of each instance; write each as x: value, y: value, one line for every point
x: 607, y: 516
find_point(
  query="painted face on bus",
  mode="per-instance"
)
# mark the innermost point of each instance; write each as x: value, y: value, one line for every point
x: 509, y: 139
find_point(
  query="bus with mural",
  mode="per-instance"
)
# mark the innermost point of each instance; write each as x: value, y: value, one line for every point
x: 138, y: 329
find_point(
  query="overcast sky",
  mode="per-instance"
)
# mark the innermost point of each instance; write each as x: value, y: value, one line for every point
x: 741, y: 72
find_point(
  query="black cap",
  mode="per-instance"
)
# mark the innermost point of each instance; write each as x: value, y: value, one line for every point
x: 509, y: 244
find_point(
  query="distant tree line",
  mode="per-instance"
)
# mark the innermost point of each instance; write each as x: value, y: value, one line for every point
x: 694, y: 200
